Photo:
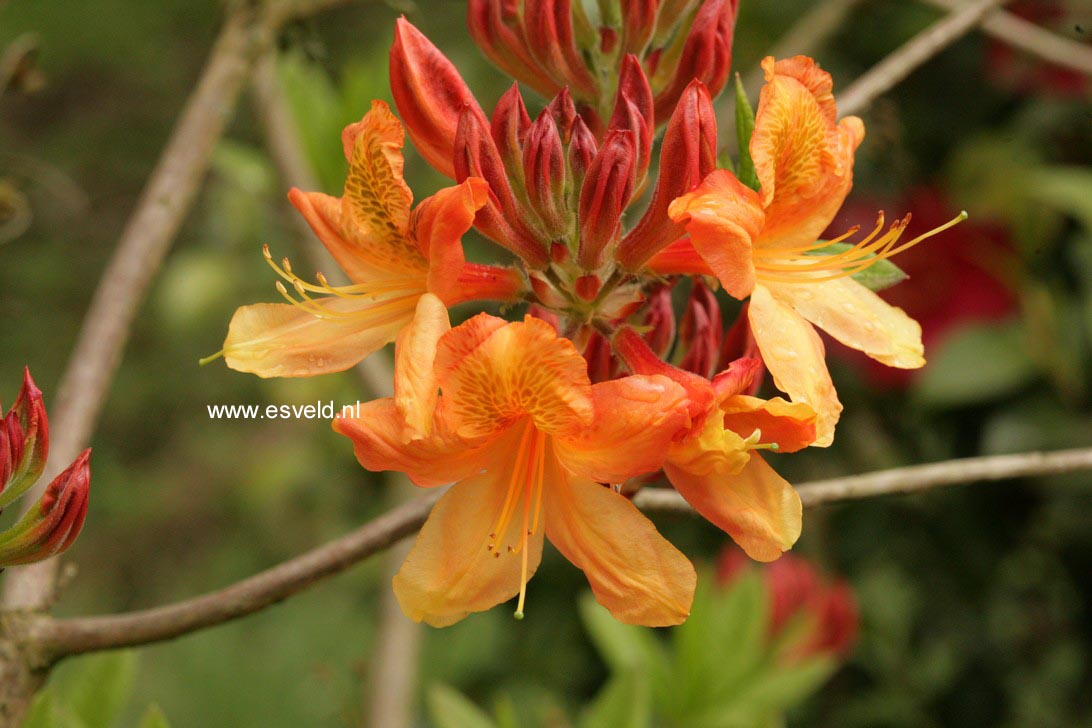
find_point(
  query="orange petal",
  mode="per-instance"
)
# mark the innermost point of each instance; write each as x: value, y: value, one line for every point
x: 378, y: 429
x: 723, y: 217
x: 416, y: 390
x: 756, y: 507
x: 635, y: 420
x: 804, y: 159
x: 714, y: 452
x: 369, y: 228
x: 492, y: 376
x: 450, y: 573
x: 858, y: 318
x: 634, y: 572
x: 323, y: 214
x: 679, y: 258
x: 791, y: 425
x: 438, y: 225
x: 794, y: 354
x: 281, y: 340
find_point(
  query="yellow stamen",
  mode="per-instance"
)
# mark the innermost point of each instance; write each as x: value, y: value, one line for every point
x: 798, y: 265
x: 372, y: 288
x: 534, y: 492
x: 512, y: 495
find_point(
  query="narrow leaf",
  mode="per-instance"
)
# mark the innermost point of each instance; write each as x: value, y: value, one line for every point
x: 876, y: 277
x: 451, y: 709
x: 745, y: 127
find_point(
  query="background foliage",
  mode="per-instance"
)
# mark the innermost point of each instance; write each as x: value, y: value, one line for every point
x: 976, y: 604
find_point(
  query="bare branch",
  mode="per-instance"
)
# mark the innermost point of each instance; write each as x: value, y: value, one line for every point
x: 919, y: 49
x: 78, y: 635
x: 807, y: 35
x: 250, y: 28
x: 1028, y: 36
x: 75, y: 636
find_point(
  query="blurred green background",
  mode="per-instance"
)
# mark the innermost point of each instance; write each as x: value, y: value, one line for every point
x: 976, y: 603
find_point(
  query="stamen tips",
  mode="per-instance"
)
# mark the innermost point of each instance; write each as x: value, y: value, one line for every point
x: 518, y: 615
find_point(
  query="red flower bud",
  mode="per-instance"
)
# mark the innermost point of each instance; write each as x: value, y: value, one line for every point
x: 582, y: 150
x: 601, y: 364
x: 604, y: 195
x: 638, y: 24
x: 633, y: 110
x: 510, y: 125
x: 701, y: 331
x: 495, y: 27
x: 587, y: 287
x: 548, y: 32
x: 430, y: 95
x: 706, y: 55
x: 739, y: 345
x: 54, y: 522
x: 688, y: 154
x: 476, y: 155
x: 562, y: 108
x: 544, y: 172
x: 660, y: 320
x: 24, y: 442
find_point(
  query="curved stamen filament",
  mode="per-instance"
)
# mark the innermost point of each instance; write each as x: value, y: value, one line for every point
x: 534, y: 493
x: 512, y: 495
x: 389, y: 306
x: 797, y: 266
x: 372, y: 288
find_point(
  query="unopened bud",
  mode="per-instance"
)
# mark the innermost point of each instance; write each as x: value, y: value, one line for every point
x: 605, y: 194
x: 54, y: 522
x: 701, y: 331
x: 24, y: 442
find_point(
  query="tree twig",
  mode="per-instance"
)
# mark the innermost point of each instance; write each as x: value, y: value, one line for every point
x: 171, y: 189
x: 912, y: 54
x: 85, y: 634
x: 1028, y: 36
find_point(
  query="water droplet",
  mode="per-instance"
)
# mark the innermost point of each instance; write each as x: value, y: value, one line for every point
x: 849, y: 308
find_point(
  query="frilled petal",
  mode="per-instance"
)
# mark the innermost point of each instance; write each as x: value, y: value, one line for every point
x: 803, y: 157
x: 416, y: 390
x: 438, y: 225
x: 281, y: 340
x: 794, y: 354
x: 450, y: 572
x: 790, y: 425
x: 635, y: 420
x: 756, y: 507
x: 378, y: 432
x: 323, y: 213
x: 723, y: 217
x: 492, y: 375
x: 634, y: 572
x: 858, y: 318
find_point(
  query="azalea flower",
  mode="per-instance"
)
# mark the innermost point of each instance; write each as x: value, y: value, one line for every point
x: 717, y: 466
x: 763, y: 245
x: 530, y: 443
x: 392, y: 255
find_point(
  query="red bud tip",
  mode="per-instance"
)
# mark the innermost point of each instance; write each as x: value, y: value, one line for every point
x: 24, y: 442
x: 430, y: 95
x: 53, y: 524
x: 604, y: 195
x: 587, y: 287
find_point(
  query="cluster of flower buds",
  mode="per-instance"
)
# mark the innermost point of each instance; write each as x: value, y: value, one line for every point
x: 54, y: 522
x: 551, y: 45
x: 809, y: 615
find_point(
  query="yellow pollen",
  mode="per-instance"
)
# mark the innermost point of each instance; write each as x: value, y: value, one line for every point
x: 799, y: 265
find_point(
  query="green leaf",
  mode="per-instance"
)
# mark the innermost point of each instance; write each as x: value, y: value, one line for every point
x: 720, y: 644
x: 876, y: 277
x: 154, y: 718
x: 625, y: 701
x: 451, y: 709
x: 1066, y: 189
x: 975, y: 365
x: 99, y: 690
x: 745, y: 127
x: 42, y: 713
x: 622, y: 646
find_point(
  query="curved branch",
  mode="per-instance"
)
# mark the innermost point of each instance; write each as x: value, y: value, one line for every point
x: 65, y: 637
x: 912, y: 54
x: 1029, y: 37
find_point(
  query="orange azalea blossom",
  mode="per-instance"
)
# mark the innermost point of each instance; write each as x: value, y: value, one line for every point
x: 764, y: 245
x: 529, y: 442
x: 391, y: 254
x: 717, y: 467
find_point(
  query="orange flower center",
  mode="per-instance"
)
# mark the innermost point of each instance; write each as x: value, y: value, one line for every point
x: 524, y: 496
x: 801, y: 264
